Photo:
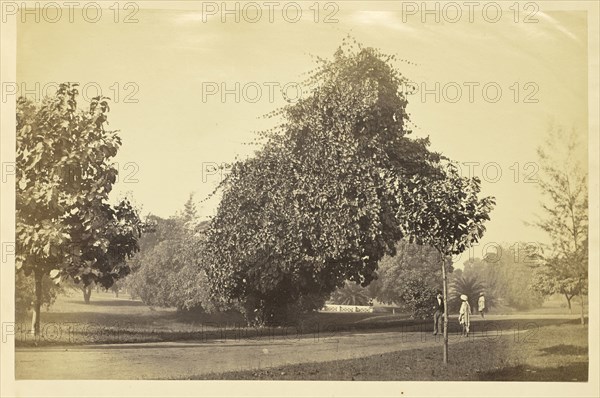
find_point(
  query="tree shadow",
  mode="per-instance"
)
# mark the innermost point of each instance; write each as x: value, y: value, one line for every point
x: 108, y: 303
x: 519, y: 323
x: 574, y: 372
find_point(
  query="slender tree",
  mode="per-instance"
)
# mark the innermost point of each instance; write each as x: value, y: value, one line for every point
x: 564, y: 183
x: 447, y: 214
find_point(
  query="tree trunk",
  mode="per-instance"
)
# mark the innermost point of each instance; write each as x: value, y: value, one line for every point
x: 37, y: 305
x: 87, y: 293
x: 569, y: 302
x: 582, y: 310
x: 33, y: 318
x: 445, y: 286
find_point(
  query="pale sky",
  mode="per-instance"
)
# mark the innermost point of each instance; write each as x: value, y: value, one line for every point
x: 171, y: 56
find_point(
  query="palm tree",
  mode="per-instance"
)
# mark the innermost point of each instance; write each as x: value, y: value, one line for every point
x: 351, y: 294
x: 471, y: 286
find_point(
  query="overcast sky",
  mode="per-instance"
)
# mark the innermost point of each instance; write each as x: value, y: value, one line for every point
x: 177, y: 128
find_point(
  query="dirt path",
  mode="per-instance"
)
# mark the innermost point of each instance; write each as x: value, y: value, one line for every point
x: 183, y: 359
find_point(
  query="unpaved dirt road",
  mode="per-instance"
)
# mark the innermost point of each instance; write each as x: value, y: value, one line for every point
x: 185, y: 359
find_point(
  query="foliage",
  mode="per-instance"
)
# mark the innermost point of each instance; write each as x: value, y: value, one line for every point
x: 555, y: 275
x: 507, y: 276
x: 447, y: 214
x: 410, y: 279
x: 314, y: 207
x: 25, y: 295
x: 168, y: 272
x: 64, y: 224
x: 106, y: 262
x: 564, y: 184
x: 63, y: 176
x: 351, y: 294
x: 467, y: 284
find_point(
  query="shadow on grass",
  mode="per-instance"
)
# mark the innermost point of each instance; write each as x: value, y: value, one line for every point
x: 518, y: 324
x: 108, y: 303
x: 565, y: 349
x: 577, y: 371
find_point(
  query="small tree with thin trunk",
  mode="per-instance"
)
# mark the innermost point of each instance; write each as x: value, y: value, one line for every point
x: 447, y: 214
x: 564, y: 183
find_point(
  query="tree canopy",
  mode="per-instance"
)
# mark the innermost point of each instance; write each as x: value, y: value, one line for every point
x: 314, y: 207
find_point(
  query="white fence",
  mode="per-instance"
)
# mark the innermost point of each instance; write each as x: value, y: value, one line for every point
x: 347, y: 308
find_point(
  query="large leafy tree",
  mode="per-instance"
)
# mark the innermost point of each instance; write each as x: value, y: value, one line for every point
x: 410, y: 278
x: 314, y: 207
x: 64, y: 224
x: 447, y: 214
x: 564, y: 183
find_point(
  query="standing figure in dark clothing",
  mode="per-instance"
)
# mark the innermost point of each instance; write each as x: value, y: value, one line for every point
x: 438, y: 315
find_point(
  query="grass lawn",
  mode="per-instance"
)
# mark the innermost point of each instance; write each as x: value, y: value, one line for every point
x: 554, y: 353
x: 107, y: 320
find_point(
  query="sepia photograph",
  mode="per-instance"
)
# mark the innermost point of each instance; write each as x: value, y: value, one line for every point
x: 299, y: 198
